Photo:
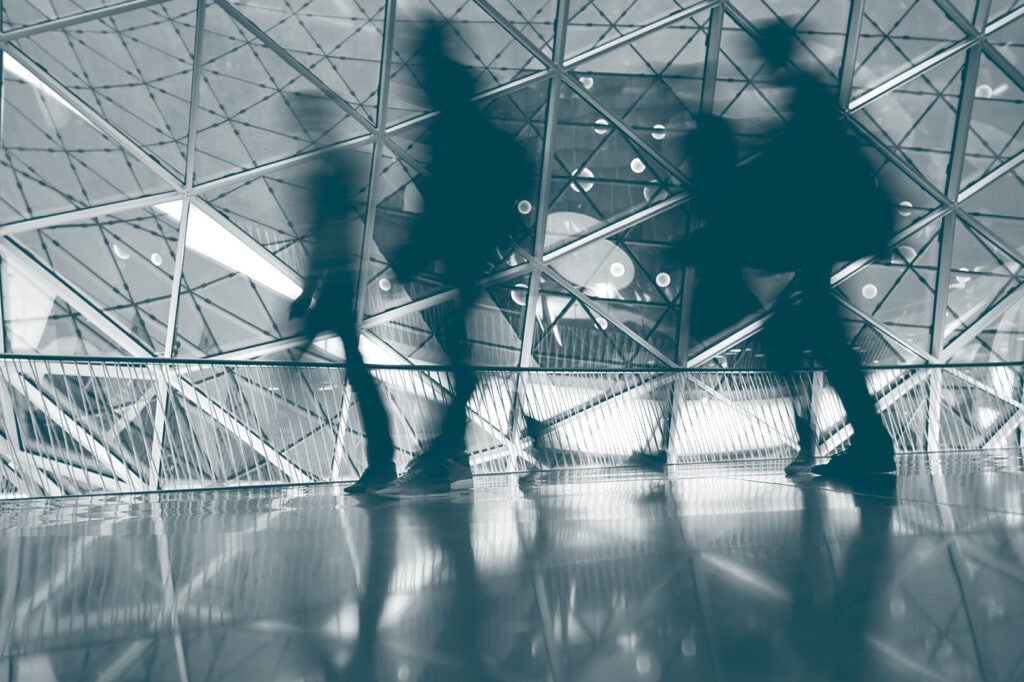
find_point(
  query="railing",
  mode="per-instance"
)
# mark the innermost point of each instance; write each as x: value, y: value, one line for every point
x: 73, y: 426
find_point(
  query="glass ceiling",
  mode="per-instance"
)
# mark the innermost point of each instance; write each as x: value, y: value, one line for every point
x: 153, y: 169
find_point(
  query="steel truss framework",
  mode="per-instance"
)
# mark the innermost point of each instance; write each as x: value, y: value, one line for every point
x: 152, y: 170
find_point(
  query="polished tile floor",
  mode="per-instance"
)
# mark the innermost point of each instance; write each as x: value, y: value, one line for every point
x: 724, y: 572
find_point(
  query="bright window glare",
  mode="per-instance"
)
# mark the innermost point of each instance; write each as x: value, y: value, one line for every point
x: 210, y: 239
x: 16, y: 69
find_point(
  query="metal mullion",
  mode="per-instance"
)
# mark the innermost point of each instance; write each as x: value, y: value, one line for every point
x: 850, y: 47
x: 540, y: 232
x: 956, y: 162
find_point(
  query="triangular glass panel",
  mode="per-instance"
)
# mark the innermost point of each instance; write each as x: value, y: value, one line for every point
x: 596, y: 22
x: 496, y: 323
x: 491, y: 54
x: 231, y: 296
x: 898, y: 290
x: 916, y: 120
x: 745, y: 91
x: 653, y: 83
x: 32, y: 12
x: 277, y: 209
x: 1002, y: 339
x: 38, y: 321
x: 997, y: 122
x: 598, y: 173
x: 122, y: 263
x: 254, y: 108
x: 818, y: 27
x: 981, y: 274
x: 1007, y: 39
x: 133, y: 68
x: 998, y: 208
x: 570, y: 334
x: 534, y: 19
x: 340, y: 44
x: 896, y: 36
x: 52, y: 160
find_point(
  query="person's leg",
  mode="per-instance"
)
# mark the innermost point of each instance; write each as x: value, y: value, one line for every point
x: 784, y: 349
x: 872, y: 450
x: 380, y: 448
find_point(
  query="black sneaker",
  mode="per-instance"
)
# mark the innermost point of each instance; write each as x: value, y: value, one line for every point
x: 650, y: 462
x: 422, y: 478
x: 851, y: 465
x: 804, y: 459
x: 373, y: 480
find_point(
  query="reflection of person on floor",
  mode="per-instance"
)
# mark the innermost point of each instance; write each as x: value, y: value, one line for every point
x: 477, y: 173
x: 829, y: 628
x: 807, y: 201
x: 382, y: 535
x: 328, y: 302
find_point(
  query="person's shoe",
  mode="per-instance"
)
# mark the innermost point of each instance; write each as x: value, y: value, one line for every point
x: 801, y: 465
x: 805, y: 457
x: 460, y: 476
x: 373, y: 479
x: 422, y: 478
x: 652, y: 462
x: 853, y: 463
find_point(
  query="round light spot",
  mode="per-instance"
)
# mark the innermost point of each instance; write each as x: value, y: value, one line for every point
x: 384, y: 283
x: 602, y: 323
x: 869, y: 291
x: 587, y: 82
x: 518, y: 294
x: 905, y: 208
x: 403, y: 672
x: 652, y: 192
x: 663, y: 279
x: 897, y: 607
x: 643, y: 664
x: 984, y: 91
x: 637, y: 166
x: 602, y: 126
x: 524, y: 207
x: 582, y: 176
x: 688, y: 647
x: 617, y: 269
x: 658, y: 132
x: 903, y: 253
x: 156, y: 259
x: 121, y: 252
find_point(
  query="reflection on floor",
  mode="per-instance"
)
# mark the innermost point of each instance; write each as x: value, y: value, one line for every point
x: 727, y: 572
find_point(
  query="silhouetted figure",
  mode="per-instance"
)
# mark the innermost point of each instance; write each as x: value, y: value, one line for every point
x: 808, y: 201
x: 328, y: 303
x: 476, y: 175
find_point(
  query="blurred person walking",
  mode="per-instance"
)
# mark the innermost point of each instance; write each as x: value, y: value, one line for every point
x: 328, y: 299
x: 806, y: 202
x: 476, y: 175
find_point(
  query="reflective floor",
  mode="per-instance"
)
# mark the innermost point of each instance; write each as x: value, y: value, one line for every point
x: 725, y: 572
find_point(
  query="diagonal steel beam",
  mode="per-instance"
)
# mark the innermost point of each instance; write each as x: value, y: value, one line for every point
x: 85, y: 214
x: 999, y: 171
x: 75, y: 19
x: 850, y: 47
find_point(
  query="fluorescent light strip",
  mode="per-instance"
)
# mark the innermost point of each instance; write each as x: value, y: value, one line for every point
x: 210, y: 239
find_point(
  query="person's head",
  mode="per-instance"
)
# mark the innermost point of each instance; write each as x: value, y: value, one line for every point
x: 447, y: 83
x: 776, y: 41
